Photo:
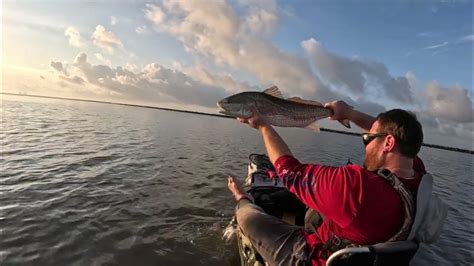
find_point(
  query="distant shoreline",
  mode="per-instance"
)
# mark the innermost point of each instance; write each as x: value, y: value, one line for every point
x: 215, y: 115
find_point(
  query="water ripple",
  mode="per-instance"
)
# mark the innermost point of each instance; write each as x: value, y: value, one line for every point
x: 90, y: 184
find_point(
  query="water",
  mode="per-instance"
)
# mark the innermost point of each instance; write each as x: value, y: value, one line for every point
x: 95, y: 184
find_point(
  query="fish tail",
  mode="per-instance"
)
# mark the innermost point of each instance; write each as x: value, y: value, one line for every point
x: 345, y: 123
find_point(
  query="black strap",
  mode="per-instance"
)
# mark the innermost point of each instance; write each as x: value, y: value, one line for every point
x: 333, y: 244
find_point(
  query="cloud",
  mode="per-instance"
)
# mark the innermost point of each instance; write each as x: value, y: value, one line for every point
x: 153, y: 83
x: 113, y: 20
x: 58, y: 66
x: 427, y: 120
x: 106, y: 39
x: 155, y: 14
x: 426, y: 34
x: 33, y: 25
x: 74, y: 79
x: 436, y: 46
x: 467, y: 38
x: 451, y: 104
x: 214, y: 31
x: 356, y: 74
x: 74, y: 36
x: 227, y: 82
x: 101, y: 58
x: 370, y: 108
x: 141, y: 29
x: 261, y: 21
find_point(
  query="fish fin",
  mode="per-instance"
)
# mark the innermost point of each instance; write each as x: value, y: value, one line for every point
x: 313, y: 127
x: 273, y: 91
x: 299, y: 100
x: 345, y: 123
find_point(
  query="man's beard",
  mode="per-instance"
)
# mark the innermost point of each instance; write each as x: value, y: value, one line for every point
x: 371, y: 162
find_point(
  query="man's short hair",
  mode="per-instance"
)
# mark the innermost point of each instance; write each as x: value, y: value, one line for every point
x: 405, y: 128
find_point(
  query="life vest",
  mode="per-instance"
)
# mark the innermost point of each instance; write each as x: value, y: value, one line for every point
x: 335, y: 243
x: 424, y: 227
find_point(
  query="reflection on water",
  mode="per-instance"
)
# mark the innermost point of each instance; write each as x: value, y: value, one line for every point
x: 92, y: 184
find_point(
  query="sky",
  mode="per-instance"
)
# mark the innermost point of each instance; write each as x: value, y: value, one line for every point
x: 375, y: 55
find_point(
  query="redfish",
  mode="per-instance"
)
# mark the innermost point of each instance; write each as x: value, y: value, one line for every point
x: 291, y: 112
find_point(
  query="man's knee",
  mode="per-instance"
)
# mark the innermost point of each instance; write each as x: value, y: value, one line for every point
x: 248, y: 216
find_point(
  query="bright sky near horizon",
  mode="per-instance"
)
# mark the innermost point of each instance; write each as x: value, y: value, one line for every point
x: 189, y: 54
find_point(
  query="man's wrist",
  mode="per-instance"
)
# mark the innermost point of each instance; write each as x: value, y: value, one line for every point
x: 263, y: 128
x: 351, y: 113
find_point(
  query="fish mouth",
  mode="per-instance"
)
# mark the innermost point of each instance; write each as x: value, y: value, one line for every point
x: 226, y: 113
x: 223, y: 110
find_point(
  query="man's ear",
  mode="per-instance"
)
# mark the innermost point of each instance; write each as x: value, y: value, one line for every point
x: 389, y: 144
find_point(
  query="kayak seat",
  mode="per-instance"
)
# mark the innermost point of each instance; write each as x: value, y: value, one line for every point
x: 383, y: 254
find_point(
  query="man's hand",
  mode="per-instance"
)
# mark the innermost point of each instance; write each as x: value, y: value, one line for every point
x: 256, y: 120
x: 274, y: 144
x: 341, y: 110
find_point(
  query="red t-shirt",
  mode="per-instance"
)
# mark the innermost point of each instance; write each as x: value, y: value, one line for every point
x: 357, y: 204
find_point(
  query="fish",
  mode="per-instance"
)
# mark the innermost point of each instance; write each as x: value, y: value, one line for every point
x: 280, y: 112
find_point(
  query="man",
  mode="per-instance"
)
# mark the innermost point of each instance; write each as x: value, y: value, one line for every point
x: 358, y: 206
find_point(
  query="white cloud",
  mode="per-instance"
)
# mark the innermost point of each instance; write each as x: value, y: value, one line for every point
x: 153, y: 83
x: 80, y: 59
x: 155, y: 14
x: 74, y: 79
x: 451, y: 104
x: 106, y: 39
x: 74, y: 36
x: 356, y: 74
x: 101, y: 58
x: 214, y: 31
x: 113, y: 20
x: 425, y: 34
x: 34, y: 24
x: 467, y: 38
x: 131, y: 67
x: 227, y: 82
x: 436, y: 46
x: 262, y: 17
x: 141, y: 29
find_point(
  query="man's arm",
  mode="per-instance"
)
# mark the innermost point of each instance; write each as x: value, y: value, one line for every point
x: 362, y: 120
x: 274, y: 144
x: 343, y: 111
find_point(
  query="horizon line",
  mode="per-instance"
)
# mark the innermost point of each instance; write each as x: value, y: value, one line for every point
x: 435, y: 146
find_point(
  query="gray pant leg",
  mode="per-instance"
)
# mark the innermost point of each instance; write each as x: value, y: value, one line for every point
x: 278, y: 243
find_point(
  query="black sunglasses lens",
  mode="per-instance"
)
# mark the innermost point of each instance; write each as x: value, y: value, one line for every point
x: 367, y: 139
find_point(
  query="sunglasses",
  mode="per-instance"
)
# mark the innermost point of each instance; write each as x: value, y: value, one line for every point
x: 368, y: 137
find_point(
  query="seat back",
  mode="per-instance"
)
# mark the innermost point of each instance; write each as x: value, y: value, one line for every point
x: 386, y: 254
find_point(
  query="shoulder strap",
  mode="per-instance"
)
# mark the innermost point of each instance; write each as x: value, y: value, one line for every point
x: 408, y: 202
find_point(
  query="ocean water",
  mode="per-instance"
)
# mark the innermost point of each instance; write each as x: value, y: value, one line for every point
x: 95, y: 184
